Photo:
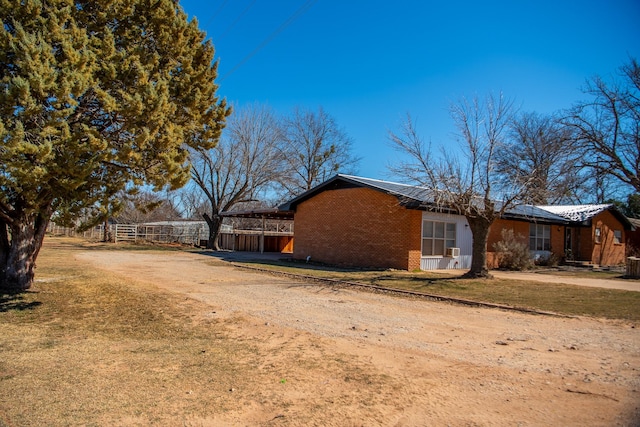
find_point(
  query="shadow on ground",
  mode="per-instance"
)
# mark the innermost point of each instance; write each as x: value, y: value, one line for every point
x: 360, y: 275
x: 16, y: 302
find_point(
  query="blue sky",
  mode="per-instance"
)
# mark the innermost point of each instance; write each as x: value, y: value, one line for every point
x: 368, y: 63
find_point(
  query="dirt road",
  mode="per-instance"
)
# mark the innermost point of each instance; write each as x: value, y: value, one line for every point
x: 423, y: 362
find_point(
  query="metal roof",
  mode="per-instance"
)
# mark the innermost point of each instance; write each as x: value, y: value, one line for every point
x: 273, y: 213
x: 408, y: 194
x: 175, y: 223
x: 530, y: 212
x: 414, y: 192
x: 635, y: 222
x: 417, y: 197
x: 577, y: 213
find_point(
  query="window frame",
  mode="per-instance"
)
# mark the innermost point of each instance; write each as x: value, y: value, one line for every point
x: 441, y: 235
x: 539, y: 237
x: 597, y: 235
x: 617, y: 237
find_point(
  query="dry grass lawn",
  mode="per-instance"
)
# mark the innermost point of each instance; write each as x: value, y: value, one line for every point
x: 89, y: 347
x: 549, y: 297
x: 83, y: 346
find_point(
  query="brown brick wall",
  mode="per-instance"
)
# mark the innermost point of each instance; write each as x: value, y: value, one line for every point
x: 585, y: 244
x: 358, y: 227
x: 367, y: 228
x: 522, y: 228
x: 632, y: 243
x: 495, y: 235
x: 557, y: 241
x: 606, y: 252
x: 495, y: 232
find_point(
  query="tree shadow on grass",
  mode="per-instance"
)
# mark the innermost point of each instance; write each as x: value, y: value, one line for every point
x: 16, y: 302
x: 418, y: 283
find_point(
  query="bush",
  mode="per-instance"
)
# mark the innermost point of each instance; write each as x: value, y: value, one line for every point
x: 512, y: 251
x: 551, y: 261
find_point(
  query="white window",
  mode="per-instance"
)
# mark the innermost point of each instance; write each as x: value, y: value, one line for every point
x: 617, y: 237
x: 598, y: 235
x: 539, y: 237
x: 437, y: 237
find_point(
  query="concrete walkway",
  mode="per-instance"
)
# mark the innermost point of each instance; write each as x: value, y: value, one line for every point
x: 624, y: 284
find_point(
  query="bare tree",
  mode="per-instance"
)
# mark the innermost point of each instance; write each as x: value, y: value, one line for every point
x: 315, y: 149
x: 191, y: 202
x: 607, y: 127
x: 146, y: 207
x: 470, y: 184
x: 539, y: 151
x: 245, y: 162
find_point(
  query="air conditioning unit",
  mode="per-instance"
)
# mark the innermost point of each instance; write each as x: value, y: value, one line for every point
x: 453, y: 252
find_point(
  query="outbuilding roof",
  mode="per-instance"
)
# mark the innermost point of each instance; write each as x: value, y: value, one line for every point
x: 268, y: 213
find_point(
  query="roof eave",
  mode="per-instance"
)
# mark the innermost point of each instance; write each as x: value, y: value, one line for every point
x: 291, y: 205
x: 274, y: 213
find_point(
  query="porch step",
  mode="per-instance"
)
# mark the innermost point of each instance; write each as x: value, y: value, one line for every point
x: 583, y: 264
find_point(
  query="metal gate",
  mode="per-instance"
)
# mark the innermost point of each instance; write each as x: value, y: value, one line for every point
x: 125, y: 233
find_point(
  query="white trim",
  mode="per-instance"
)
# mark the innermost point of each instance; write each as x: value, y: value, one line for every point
x: 464, y: 241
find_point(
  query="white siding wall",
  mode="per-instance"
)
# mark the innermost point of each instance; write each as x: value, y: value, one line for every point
x: 464, y: 241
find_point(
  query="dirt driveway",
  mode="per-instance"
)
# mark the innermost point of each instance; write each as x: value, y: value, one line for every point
x: 429, y: 363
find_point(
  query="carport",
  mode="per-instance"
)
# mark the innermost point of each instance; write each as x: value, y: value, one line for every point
x: 268, y: 240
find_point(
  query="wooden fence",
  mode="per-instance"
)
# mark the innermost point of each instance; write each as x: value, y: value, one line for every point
x: 633, y: 267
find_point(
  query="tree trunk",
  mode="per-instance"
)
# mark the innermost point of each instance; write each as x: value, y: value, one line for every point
x: 215, y: 224
x: 4, y: 248
x: 19, y: 261
x: 480, y: 230
x: 105, y: 231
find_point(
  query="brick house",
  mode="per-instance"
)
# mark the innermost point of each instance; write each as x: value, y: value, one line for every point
x: 355, y: 221
x: 594, y: 233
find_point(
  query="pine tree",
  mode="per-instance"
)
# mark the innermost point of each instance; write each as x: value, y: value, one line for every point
x: 95, y: 96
